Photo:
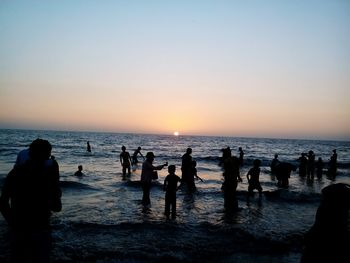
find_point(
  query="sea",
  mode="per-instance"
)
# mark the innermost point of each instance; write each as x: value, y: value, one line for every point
x: 102, y: 219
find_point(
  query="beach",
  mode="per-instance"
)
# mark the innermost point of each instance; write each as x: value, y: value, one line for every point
x: 102, y: 219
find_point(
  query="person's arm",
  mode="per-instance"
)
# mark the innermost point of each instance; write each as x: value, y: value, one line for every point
x: 121, y: 159
x: 248, y: 177
x: 55, y: 193
x: 159, y: 167
x: 6, y: 196
x: 196, y: 175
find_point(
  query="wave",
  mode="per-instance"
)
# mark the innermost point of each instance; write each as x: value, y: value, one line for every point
x: 76, y: 186
x: 291, y: 196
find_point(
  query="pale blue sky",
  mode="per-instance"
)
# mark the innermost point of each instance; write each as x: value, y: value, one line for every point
x: 239, y: 68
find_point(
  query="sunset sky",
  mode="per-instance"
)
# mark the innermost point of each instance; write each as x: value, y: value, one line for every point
x: 231, y: 68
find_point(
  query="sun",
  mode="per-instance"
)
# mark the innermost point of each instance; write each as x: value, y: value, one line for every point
x: 176, y: 133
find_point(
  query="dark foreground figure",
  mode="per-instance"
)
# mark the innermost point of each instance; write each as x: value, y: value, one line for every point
x: 30, y: 193
x: 328, y: 240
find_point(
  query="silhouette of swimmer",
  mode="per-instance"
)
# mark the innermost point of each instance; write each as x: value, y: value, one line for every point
x: 231, y: 178
x: 125, y: 161
x: 274, y: 163
x: 30, y: 193
x: 283, y: 171
x: 79, y: 173
x: 329, y: 238
x: 134, y: 156
x: 332, y: 168
x: 241, y: 154
x: 170, y: 188
x: 88, y: 147
x: 253, y: 179
x: 146, y: 177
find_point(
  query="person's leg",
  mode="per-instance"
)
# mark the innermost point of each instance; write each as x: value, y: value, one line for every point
x: 167, y: 207
x: 173, y: 207
x: 41, y: 246
x: 145, y: 198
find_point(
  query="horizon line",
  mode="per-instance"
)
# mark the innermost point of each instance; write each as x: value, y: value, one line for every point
x: 180, y: 135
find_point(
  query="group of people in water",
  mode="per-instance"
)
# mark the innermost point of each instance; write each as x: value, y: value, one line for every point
x: 231, y: 166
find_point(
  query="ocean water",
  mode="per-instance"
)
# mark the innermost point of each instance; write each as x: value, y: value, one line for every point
x: 103, y: 220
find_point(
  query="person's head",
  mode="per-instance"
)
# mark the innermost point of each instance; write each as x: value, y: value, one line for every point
x: 40, y: 150
x: 150, y: 156
x: 171, y: 169
x: 80, y: 167
x: 194, y: 163
x: 123, y: 148
x: 240, y: 148
x: 139, y: 148
x: 226, y: 152
x: 319, y: 159
x: 256, y: 163
x: 189, y: 150
x: 334, y: 151
x: 276, y: 155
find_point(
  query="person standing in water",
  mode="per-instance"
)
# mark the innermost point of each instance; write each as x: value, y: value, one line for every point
x: 170, y: 188
x: 125, y: 161
x: 253, y: 179
x: 241, y: 155
x: 332, y: 169
x: 231, y: 179
x: 186, y: 167
x: 147, y: 173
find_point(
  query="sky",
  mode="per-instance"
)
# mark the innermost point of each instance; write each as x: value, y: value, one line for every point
x: 227, y: 68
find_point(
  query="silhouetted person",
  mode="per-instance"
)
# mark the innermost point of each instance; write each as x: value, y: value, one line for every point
x: 319, y: 168
x: 194, y: 175
x: 329, y: 238
x: 186, y: 167
x: 241, y: 155
x: 146, y: 176
x: 134, y: 156
x: 274, y: 163
x: 225, y: 152
x: 88, y: 147
x: 332, y: 169
x: 253, y: 179
x: 170, y: 188
x: 303, y: 165
x: 30, y: 193
x: 79, y: 173
x: 125, y: 161
x: 231, y: 178
x: 283, y: 171
x: 311, y: 165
